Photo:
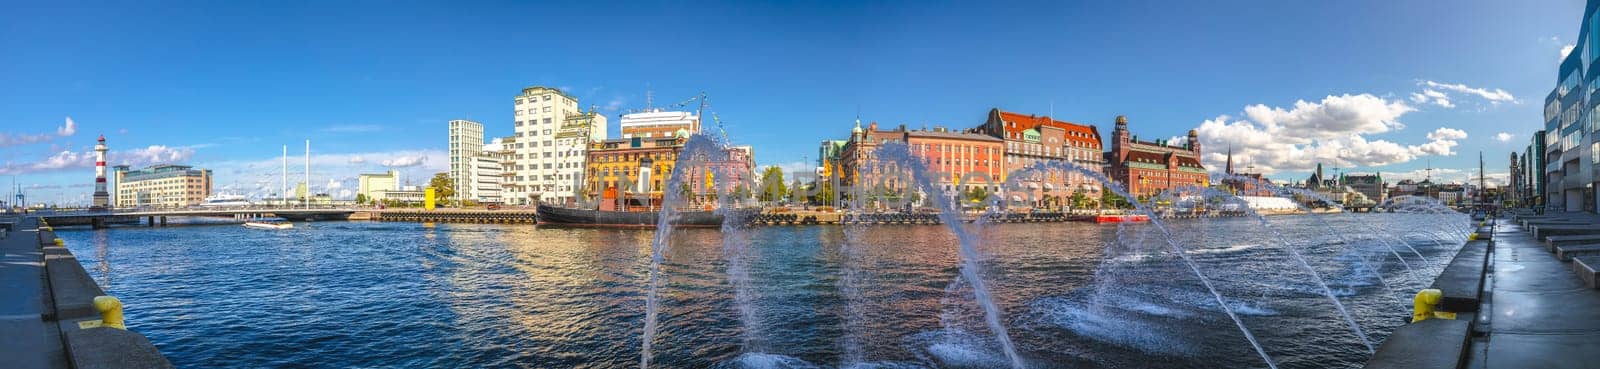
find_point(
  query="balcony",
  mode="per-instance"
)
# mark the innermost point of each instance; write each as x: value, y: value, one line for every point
x: 1552, y: 168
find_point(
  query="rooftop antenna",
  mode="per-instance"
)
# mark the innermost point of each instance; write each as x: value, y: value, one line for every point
x: 1052, y: 115
x: 647, y: 97
x: 1429, y: 171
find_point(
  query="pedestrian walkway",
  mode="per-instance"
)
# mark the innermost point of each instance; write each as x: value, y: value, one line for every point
x: 26, y: 340
x: 1541, y: 315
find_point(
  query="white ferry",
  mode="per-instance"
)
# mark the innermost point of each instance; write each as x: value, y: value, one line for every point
x: 225, y: 200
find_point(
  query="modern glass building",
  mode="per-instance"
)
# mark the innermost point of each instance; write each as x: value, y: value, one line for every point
x: 1571, y: 151
x: 1534, y: 170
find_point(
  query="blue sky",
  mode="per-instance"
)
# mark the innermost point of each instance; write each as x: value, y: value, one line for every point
x: 224, y: 85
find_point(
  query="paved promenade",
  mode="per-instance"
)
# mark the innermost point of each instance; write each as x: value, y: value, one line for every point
x: 49, y: 318
x: 1540, y: 313
x: 26, y: 340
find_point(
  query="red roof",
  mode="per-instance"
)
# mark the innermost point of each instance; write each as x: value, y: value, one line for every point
x: 1161, y: 158
x: 1085, y: 133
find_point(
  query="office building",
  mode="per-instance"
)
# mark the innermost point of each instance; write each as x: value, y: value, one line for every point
x: 466, y: 142
x: 162, y: 186
x: 1570, y: 118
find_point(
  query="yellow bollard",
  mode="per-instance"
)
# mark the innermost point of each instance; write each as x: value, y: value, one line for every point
x: 1423, y: 306
x: 60, y: 242
x: 1472, y: 236
x: 110, y: 311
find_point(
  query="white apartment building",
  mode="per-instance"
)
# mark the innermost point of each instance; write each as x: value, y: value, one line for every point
x: 539, y: 162
x: 486, y: 173
x: 466, y: 142
x: 572, y: 147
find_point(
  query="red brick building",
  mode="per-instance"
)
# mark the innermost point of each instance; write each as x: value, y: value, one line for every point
x: 1031, y: 139
x: 1149, y: 167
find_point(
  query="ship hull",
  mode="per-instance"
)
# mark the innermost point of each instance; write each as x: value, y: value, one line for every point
x: 551, y: 215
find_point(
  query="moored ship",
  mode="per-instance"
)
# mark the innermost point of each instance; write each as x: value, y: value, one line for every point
x: 556, y: 215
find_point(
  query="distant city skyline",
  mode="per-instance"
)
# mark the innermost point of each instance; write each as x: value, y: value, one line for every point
x: 1361, y: 86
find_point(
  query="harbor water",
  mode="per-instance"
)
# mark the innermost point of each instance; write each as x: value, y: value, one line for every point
x: 370, y: 294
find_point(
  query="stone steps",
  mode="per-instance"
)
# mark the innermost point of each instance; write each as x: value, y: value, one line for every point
x: 1586, y: 267
x: 1566, y: 253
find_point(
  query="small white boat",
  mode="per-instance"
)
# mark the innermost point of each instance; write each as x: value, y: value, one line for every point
x: 269, y: 225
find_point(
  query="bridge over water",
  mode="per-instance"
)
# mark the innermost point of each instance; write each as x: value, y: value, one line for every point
x: 102, y: 218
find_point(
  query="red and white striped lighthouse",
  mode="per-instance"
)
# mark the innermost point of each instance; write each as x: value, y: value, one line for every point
x: 101, y: 198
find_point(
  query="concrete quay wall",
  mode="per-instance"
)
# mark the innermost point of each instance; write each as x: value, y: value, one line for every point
x: 82, y: 326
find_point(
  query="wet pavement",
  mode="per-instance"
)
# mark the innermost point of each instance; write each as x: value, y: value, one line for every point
x: 1541, y: 315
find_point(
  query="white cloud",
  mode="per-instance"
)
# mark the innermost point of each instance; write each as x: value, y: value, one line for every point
x: 64, y: 160
x: 1567, y: 50
x: 333, y: 184
x: 67, y: 129
x: 1447, y: 134
x: 357, y: 160
x: 1332, y: 117
x: 1493, y: 96
x: 1503, y: 137
x: 1330, y: 131
x: 405, y: 161
x: 1431, y: 96
x: 70, y: 128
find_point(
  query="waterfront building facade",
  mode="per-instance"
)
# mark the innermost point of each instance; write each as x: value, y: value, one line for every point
x: 1032, y: 139
x: 1150, y: 167
x: 828, y: 156
x: 483, y: 180
x: 623, y: 171
x: 162, y: 186
x: 1369, y: 185
x: 572, y: 142
x: 371, y: 185
x: 409, y: 195
x: 961, y: 162
x: 633, y: 173
x: 1572, y: 151
x: 657, y: 123
x: 466, y: 142
x: 538, y: 163
x: 858, y: 166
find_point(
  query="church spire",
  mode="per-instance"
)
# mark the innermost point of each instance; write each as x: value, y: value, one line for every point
x: 1229, y: 169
